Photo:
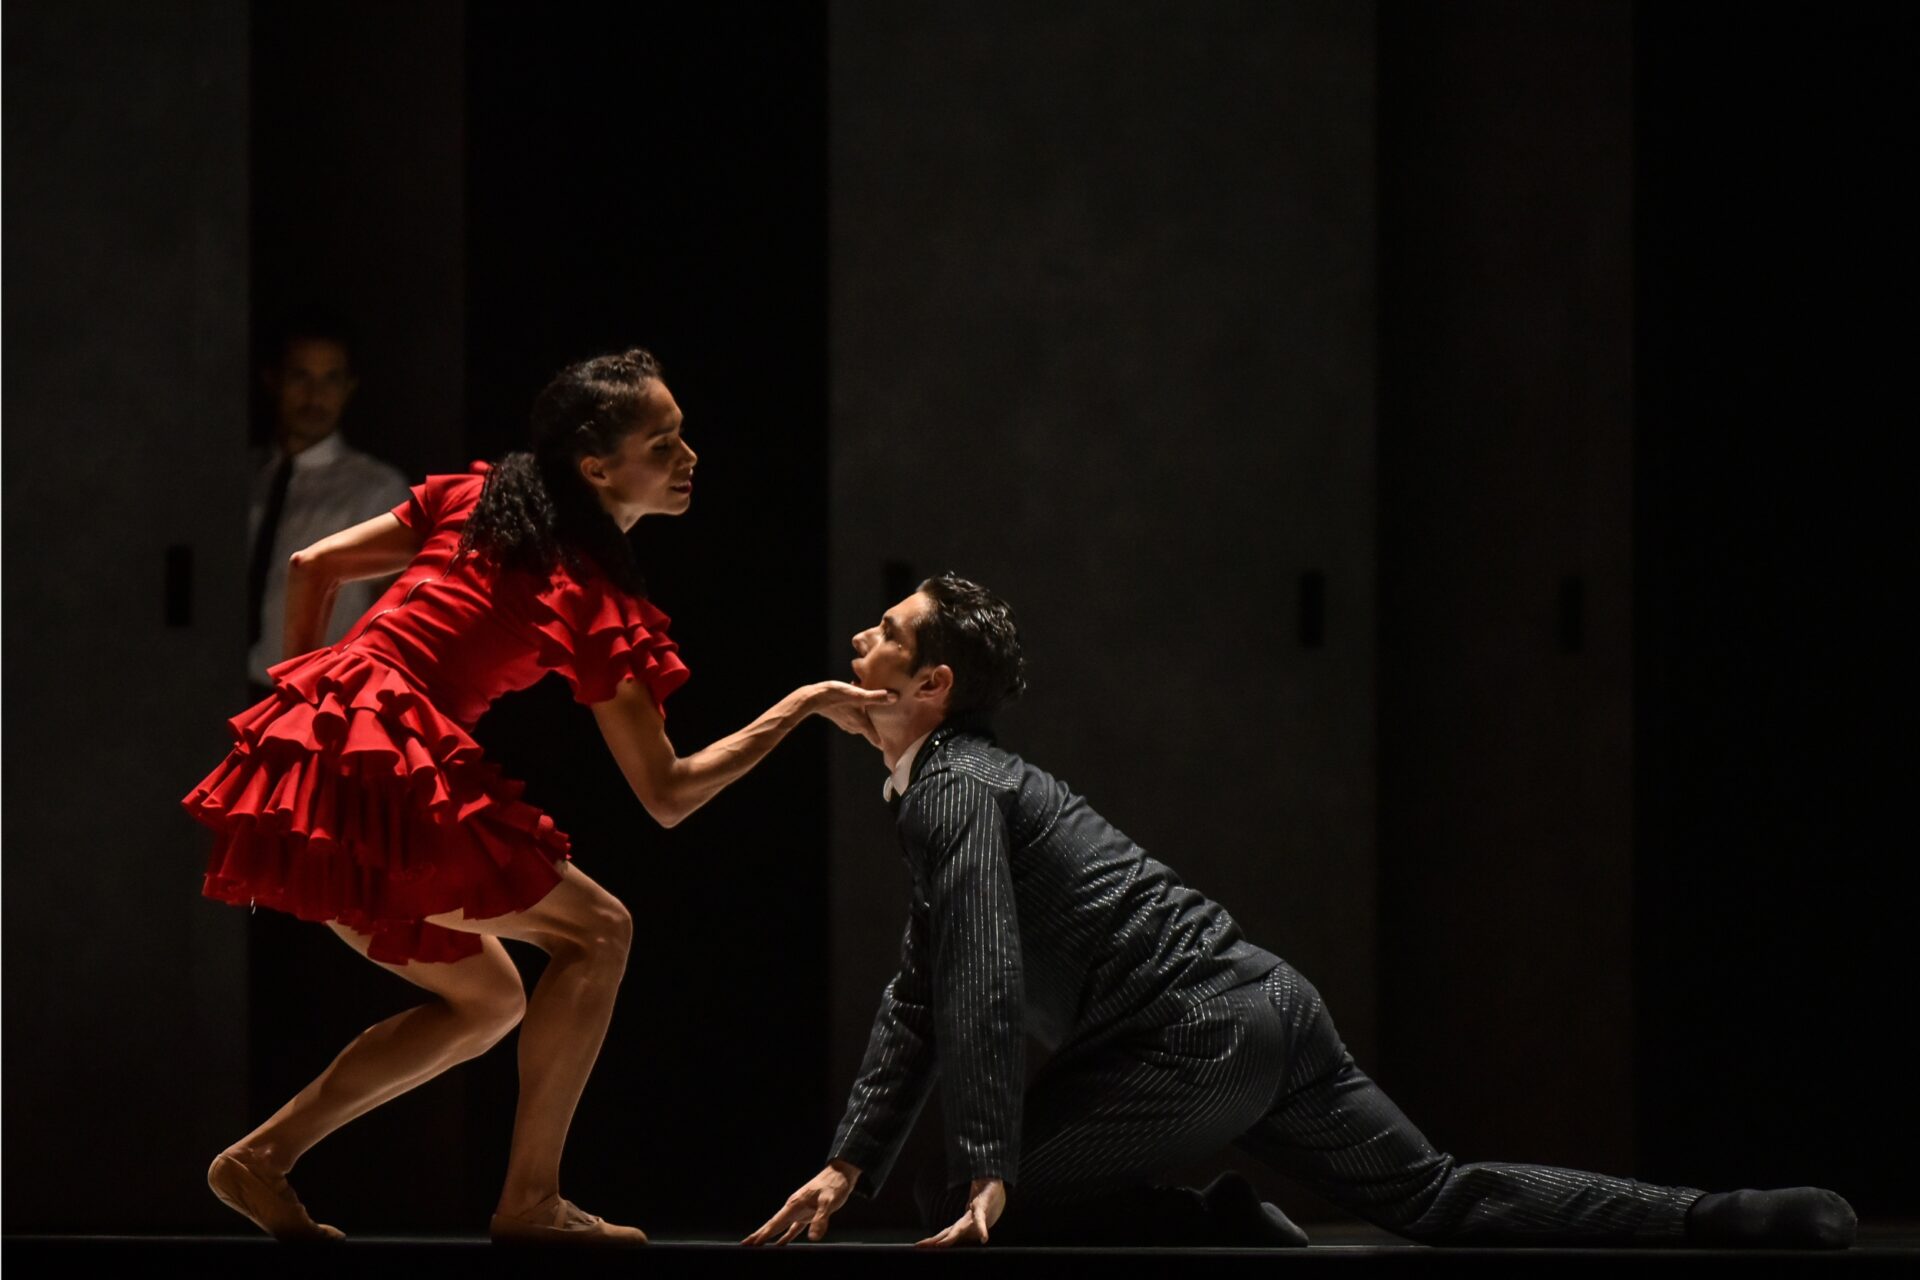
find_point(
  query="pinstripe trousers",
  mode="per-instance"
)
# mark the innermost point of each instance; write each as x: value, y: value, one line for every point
x: 1260, y: 1066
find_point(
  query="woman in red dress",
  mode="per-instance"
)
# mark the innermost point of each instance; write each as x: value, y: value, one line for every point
x: 356, y: 796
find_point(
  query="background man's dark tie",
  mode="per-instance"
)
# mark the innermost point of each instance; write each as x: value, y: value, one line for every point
x: 263, y: 546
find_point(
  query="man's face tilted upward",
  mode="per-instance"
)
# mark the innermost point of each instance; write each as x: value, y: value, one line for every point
x: 885, y: 657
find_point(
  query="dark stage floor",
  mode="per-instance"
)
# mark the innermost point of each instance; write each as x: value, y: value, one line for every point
x: 1883, y: 1249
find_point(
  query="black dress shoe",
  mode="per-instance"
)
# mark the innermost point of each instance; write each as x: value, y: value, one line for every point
x: 1241, y: 1218
x: 1791, y: 1218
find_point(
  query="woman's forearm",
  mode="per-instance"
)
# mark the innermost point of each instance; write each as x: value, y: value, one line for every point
x: 671, y: 785
x: 310, y: 594
x: 694, y: 779
x: 373, y: 548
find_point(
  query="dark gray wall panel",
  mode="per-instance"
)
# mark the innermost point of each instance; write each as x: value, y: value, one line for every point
x: 1102, y: 329
x: 126, y: 306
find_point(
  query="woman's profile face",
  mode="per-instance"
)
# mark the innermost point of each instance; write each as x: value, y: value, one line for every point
x: 650, y: 472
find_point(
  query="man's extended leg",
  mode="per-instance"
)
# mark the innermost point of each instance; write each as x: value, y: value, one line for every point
x: 1338, y: 1132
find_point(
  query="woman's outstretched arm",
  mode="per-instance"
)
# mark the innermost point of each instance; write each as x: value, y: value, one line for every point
x: 671, y: 786
x: 371, y: 549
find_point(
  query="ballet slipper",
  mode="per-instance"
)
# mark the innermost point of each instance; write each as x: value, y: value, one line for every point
x: 559, y: 1221
x: 275, y: 1210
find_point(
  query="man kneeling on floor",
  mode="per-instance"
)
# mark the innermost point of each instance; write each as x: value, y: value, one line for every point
x: 1172, y: 1035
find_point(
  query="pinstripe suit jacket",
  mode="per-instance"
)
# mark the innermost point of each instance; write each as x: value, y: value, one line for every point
x: 1030, y: 914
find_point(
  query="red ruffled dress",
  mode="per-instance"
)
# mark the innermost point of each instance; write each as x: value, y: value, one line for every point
x: 356, y: 793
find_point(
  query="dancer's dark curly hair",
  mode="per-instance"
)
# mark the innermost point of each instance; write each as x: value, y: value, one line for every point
x: 536, y: 511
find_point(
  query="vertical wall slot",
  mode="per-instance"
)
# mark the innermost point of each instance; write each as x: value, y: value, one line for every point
x: 1313, y: 609
x: 1571, y: 624
x: 179, y: 586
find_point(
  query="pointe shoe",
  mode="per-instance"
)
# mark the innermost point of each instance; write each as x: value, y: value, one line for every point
x: 275, y: 1210
x: 560, y: 1221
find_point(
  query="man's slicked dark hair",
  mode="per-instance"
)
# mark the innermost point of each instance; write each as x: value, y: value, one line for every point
x: 971, y: 630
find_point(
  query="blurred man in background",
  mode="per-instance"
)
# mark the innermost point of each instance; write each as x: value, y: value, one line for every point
x: 310, y: 483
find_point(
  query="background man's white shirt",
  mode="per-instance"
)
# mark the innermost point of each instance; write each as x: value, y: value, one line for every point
x: 333, y: 486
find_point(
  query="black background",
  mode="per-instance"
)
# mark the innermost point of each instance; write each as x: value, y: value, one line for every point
x: 1773, y: 545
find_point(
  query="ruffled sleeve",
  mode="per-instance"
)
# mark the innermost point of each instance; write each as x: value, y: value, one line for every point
x: 596, y: 636
x: 439, y: 499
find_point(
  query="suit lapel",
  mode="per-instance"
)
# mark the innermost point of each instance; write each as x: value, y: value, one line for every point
x: 935, y: 741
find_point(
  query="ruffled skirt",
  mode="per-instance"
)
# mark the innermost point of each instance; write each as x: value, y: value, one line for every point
x: 348, y: 797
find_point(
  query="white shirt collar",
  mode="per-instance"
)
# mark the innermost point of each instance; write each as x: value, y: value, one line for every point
x: 896, y: 784
x: 321, y: 454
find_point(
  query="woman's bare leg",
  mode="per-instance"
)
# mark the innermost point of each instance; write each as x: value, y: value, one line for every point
x: 587, y: 933
x: 480, y: 1000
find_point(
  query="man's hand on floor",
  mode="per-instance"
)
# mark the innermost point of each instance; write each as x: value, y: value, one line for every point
x: 986, y: 1202
x: 810, y: 1206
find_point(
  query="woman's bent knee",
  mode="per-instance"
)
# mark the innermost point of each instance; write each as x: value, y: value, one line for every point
x: 608, y: 931
x: 602, y: 934
x: 499, y: 1011
x: 616, y: 927
x: 488, y: 1012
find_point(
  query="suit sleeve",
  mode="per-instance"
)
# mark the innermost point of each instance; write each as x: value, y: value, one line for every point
x: 979, y: 1015
x: 898, y: 1071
